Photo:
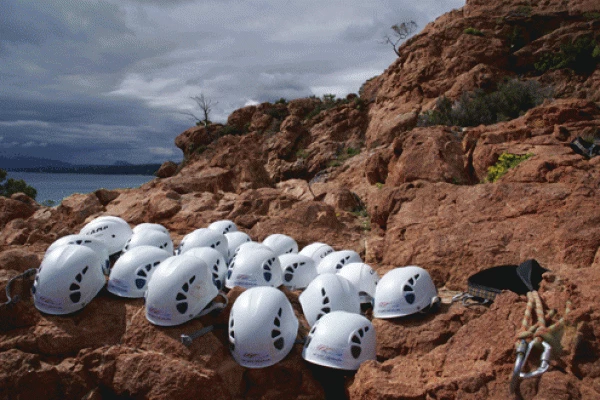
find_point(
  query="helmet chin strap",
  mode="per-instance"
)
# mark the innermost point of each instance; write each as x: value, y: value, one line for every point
x: 25, y: 275
x: 188, y: 339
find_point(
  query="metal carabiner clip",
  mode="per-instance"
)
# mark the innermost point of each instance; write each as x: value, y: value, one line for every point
x: 523, y: 351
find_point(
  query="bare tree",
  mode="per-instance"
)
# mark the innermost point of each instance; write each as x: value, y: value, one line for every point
x: 205, y: 106
x: 399, y: 33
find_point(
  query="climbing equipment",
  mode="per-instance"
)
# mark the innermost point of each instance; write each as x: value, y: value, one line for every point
x: 149, y: 237
x: 112, y: 231
x: 317, y: 251
x: 95, y: 244
x: 326, y: 293
x: 14, y: 299
x: 404, y: 291
x: 281, y: 244
x: 262, y: 327
x: 364, y: 278
x: 298, y: 270
x: 340, y: 340
x: 586, y: 148
x: 250, y: 268
x: 215, y: 261
x: 539, y: 335
x: 147, y: 225
x: 68, y: 279
x: 333, y: 262
x: 130, y: 275
x: 234, y: 240
x: 204, y: 237
x: 223, y: 226
x: 180, y: 289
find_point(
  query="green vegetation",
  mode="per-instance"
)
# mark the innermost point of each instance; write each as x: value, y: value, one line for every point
x: 473, y: 31
x: 49, y: 203
x: 379, y: 185
x: 512, y: 99
x: 344, y: 155
x: 302, y: 154
x: 591, y: 16
x: 581, y: 55
x: 12, y: 186
x: 281, y: 101
x: 505, y: 162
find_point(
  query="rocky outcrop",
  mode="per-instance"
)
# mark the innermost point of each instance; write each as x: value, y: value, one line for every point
x: 167, y: 169
x: 356, y: 174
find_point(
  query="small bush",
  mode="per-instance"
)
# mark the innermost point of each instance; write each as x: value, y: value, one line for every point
x: 281, y: 101
x: 505, y: 162
x: 473, y: 31
x: 379, y: 185
x: 230, y: 130
x: 581, y: 55
x: 512, y: 99
x: 12, y: 186
x: 591, y: 16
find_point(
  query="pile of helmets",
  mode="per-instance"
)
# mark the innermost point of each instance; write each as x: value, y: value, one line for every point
x: 183, y: 283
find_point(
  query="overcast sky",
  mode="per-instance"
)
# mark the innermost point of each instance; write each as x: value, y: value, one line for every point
x: 96, y: 82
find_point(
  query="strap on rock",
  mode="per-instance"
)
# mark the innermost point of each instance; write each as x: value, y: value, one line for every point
x: 487, y: 284
x: 585, y: 148
x: 25, y: 275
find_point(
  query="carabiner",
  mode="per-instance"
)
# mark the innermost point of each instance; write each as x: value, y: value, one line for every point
x: 523, y: 351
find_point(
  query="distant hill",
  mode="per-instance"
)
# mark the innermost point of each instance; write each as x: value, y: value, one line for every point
x: 10, y: 164
x: 32, y: 164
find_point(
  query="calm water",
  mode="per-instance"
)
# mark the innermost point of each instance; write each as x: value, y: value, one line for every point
x: 55, y: 187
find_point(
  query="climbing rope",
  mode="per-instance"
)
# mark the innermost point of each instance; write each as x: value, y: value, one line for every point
x: 538, y: 334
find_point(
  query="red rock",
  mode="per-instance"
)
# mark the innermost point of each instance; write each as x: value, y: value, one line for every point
x: 167, y: 169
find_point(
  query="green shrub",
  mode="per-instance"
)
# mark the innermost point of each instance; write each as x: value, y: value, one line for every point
x: 580, y: 55
x: 505, y: 162
x: 12, y: 186
x: 281, y: 101
x: 473, y: 31
x: 230, y: 130
x: 512, y: 99
x: 379, y: 185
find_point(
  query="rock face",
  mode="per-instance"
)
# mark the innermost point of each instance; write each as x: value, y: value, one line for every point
x: 357, y: 174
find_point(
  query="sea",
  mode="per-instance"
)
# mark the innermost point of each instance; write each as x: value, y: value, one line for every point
x: 52, y: 188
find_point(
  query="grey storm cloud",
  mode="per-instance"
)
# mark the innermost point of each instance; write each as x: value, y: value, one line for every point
x: 101, y: 81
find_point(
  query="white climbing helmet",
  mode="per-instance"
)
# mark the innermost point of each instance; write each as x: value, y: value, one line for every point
x: 298, y: 270
x: 234, y: 240
x: 113, y: 231
x: 258, y: 267
x: 149, y: 237
x: 404, y: 291
x: 215, y: 261
x: 333, y: 262
x: 180, y: 289
x: 281, y: 244
x: 363, y: 277
x: 340, y: 340
x: 130, y: 275
x: 262, y: 327
x: 204, y: 237
x: 317, y: 251
x: 326, y: 293
x: 69, y: 277
x: 223, y: 226
x: 87, y: 241
x: 147, y: 225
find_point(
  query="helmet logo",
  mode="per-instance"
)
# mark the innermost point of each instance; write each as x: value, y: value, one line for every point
x: 97, y: 230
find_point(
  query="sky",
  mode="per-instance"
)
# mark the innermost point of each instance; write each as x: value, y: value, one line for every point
x: 99, y: 82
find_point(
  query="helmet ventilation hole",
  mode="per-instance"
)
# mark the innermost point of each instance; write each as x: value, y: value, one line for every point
x: 279, y: 312
x: 279, y: 343
x: 140, y: 283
